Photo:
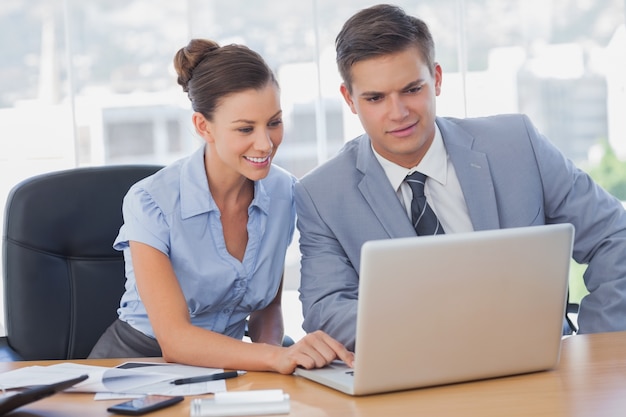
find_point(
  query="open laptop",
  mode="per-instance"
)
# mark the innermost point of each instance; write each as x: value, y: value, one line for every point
x: 452, y: 308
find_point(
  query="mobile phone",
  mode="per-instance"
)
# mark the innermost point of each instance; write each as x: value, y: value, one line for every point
x: 144, y: 404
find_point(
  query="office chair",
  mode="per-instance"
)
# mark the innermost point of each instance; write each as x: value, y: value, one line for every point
x: 62, y: 278
x: 569, y: 328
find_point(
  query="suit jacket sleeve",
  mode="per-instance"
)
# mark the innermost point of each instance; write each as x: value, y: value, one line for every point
x: 329, y: 282
x: 570, y: 195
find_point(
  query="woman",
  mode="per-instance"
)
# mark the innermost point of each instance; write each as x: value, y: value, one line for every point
x: 204, y: 239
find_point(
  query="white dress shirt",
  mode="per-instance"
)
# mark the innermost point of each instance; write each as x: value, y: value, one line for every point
x: 442, y: 188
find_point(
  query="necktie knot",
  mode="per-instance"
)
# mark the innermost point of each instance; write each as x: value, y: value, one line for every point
x: 424, y: 218
x: 416, y: 181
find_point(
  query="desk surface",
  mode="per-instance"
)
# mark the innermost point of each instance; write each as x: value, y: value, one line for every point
x: 589, y: 381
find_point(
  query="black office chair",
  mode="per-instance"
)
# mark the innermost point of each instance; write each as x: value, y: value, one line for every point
x: 62, y: 278
x: 569, y: 328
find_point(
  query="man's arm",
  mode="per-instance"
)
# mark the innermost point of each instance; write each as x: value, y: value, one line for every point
x: 600, y: 221
x: 329, y: 282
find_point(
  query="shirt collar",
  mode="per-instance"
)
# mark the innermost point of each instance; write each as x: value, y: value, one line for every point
x: 434, y: 164
x: 195, y: 196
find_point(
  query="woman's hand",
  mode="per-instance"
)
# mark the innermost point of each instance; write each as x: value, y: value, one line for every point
x: 314, y: 350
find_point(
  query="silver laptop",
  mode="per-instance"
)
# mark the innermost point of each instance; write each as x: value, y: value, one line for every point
x: 452, y: 308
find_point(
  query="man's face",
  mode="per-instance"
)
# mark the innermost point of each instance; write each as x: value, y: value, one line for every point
x: 394, y: 97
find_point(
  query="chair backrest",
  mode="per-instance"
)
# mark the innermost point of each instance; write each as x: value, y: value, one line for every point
x: 62, y: 278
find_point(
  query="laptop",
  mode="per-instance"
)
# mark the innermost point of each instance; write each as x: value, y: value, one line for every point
x: 444, y: 309
x: 12, y: 400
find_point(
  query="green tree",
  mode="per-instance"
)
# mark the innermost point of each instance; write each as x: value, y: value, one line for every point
x: 610, y: 173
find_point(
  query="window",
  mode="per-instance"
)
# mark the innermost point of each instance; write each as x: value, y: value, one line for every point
x: 91, y: 82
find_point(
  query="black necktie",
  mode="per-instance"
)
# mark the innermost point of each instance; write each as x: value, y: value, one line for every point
x: 424, y: 218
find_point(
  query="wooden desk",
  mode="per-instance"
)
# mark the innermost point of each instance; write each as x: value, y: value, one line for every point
x: 590, y: 381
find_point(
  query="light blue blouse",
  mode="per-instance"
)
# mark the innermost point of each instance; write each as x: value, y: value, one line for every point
x: 174, y: 212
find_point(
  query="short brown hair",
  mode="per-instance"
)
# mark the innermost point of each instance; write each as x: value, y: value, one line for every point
x: 209, y: 72
x: 381, y: 30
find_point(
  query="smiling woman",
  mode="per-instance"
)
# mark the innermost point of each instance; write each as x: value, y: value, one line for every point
x: 205, y: 238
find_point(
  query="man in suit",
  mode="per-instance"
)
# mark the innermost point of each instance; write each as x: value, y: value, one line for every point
x: 482, y: 173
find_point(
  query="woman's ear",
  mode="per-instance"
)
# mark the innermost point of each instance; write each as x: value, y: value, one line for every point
x: 202, y: 126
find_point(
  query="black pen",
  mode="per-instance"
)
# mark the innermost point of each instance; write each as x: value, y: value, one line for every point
x: 204, y: 378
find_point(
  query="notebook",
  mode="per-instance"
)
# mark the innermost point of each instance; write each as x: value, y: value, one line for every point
x: 454, y: 308
x: 12, y: 400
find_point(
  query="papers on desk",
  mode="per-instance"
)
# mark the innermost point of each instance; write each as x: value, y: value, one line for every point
x: 129, y: 378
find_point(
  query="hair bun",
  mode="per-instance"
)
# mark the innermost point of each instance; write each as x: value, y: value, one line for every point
x: 187, y: 58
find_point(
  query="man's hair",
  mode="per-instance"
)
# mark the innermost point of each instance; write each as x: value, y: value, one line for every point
x: 381, y: 30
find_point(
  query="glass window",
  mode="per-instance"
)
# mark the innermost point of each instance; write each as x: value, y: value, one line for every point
x: 91, y: 82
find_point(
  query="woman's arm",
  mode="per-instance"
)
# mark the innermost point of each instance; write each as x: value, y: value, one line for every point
x: 266, y: 326
x: 182, y: 342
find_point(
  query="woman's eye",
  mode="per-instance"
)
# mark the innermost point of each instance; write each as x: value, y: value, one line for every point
x: 276, y: 123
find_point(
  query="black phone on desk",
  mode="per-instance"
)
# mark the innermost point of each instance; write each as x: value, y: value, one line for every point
x: 145, y: 404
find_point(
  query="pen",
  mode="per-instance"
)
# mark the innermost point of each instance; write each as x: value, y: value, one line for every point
x: 204, y: 378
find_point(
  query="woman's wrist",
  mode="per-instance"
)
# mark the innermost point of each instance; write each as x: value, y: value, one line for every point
x: 270, y: 356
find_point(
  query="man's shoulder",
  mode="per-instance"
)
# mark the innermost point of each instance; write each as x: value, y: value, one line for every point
x: 486, y: 123
x: 340, y: 165
x: 489, y: 134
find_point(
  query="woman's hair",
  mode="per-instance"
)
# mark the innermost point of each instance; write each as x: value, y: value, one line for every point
x: 381, y: 30
x: 209, y: 72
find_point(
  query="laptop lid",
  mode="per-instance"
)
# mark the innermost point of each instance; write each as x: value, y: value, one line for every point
x: 443, y: 309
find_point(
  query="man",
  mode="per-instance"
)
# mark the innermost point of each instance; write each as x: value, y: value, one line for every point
x: 483, y: 173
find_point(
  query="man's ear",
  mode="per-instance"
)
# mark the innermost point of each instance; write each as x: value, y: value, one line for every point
x: 438, y: 78
x: 347, y: 97
x: 202, y: 126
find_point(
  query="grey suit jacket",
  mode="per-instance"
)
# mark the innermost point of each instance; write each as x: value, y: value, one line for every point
x: 511, y: 176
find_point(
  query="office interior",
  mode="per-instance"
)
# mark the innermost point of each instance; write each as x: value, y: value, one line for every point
x: 90, y: 83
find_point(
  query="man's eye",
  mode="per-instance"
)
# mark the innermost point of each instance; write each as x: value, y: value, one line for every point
x: 374, y: 99
x: 414, y: 90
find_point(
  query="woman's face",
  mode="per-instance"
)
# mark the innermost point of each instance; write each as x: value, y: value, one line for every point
x: 246, y: 131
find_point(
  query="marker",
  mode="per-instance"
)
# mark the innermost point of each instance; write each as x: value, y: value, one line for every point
x: 204, y: 378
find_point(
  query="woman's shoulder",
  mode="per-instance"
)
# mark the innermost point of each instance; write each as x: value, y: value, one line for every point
x: 279, y: 176
x: 278, y: 185
x: 161, y: 189
x: 166, y: 177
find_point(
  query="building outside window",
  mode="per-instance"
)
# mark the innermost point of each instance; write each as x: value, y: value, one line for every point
x: 91, y: 82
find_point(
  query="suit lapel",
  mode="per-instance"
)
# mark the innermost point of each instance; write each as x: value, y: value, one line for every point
x: 377, y: 191
x: 472, y: 169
